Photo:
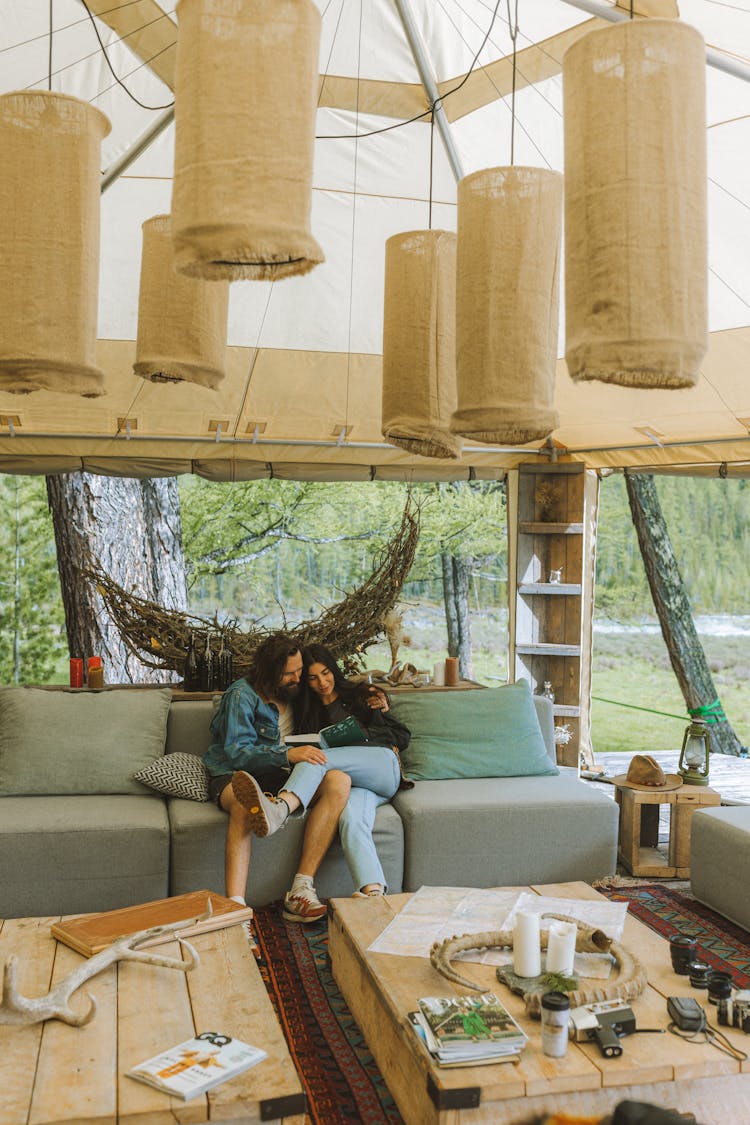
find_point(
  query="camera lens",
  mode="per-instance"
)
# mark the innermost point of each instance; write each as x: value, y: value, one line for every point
x: 719, y: 985
x: 698, y: 972
x: 682, y: 950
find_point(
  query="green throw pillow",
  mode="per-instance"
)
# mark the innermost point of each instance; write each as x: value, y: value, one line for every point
x: 492, y: 733
x: 79, y: 742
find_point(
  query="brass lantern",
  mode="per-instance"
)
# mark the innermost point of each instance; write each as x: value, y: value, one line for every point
x: 693, y: 766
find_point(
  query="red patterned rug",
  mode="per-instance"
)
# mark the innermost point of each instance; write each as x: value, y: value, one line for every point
x: 341, y: 1079
x: 721, y: 944
x: 340, y: 1076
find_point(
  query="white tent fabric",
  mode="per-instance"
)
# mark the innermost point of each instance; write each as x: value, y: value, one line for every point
x: 302, y: 391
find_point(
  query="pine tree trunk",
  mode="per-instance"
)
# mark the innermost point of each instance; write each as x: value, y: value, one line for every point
x: 673, y: 608
x: 456, y: 576
x: 132, y: 528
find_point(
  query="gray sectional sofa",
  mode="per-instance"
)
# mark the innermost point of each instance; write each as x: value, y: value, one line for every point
x: 78, y: 834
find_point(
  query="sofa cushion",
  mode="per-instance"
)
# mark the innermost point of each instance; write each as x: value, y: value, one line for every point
x: 62, y: 742
x: 177, y: 775
x: 492, y: 733
x: 199, y: 833
x: 507, y: 831
x: 71, y: 855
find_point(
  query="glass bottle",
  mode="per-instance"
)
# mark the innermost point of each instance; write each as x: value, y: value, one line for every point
x: 224, y: 666
x: 547, y: 692
x: 206, y: 666
x: 190, y: 675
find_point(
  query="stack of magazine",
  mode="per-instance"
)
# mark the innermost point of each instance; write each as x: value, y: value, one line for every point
x: 467, y: 1030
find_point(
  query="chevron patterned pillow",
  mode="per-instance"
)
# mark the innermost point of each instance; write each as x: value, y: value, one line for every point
x: 177, y: 775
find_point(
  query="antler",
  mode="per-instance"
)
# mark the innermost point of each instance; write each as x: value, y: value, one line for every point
x: 18, y: 1010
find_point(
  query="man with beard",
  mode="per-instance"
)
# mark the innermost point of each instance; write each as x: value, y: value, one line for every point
x: 247, y: 755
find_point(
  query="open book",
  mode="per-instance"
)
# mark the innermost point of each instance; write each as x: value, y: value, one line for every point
x: 347, y: 732
x: 195, y: 1066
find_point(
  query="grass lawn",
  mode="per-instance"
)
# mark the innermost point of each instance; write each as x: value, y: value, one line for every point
x: 631, y: 670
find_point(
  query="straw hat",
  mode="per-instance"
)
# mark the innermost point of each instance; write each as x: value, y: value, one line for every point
x: 645, y: 774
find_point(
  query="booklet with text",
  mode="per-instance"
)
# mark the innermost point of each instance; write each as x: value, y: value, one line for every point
x: 195, y: 1066
x: 347, y: 732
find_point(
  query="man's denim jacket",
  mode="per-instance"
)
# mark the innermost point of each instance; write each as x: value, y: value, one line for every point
x: 244, y: 734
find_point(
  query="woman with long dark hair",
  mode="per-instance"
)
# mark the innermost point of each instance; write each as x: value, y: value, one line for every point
x: 327, y: 698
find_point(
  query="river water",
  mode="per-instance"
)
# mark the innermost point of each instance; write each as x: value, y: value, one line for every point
x: 710, y: 625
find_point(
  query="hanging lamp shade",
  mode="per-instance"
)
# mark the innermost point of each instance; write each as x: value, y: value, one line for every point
x: 245, y: 99
x: 419, y: 342
x: 635, y: 204
x: 49, y: 234
x: 182, y: 321
x: 507, y: 287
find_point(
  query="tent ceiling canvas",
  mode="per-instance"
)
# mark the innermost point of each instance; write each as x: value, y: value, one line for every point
x: 302, y: 392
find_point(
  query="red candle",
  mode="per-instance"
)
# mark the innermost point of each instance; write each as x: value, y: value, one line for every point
x: 76, y: 671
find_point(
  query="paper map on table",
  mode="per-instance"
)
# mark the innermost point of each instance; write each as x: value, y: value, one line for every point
x: 436, y: 913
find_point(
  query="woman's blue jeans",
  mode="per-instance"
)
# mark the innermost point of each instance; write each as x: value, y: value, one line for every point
x: 375, y: 775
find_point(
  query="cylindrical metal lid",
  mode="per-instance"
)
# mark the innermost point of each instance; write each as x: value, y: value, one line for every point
x: 555, y: 1001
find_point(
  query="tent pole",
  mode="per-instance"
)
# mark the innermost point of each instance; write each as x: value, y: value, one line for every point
x: 714, y: 58
x: 140, y: 145
x: 427, y: 78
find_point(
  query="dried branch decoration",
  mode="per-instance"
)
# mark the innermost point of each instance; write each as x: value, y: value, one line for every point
x: 21, y: 1010
x: 159, y: 636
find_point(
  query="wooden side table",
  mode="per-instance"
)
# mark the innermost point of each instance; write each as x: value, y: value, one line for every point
x: 638, y: 840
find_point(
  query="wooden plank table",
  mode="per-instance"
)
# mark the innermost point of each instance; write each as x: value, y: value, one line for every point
x: 380, y: 989
x: 54, y: 1074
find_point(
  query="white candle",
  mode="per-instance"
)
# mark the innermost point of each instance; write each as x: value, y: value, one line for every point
x: 561, y: 947
x: 527, y: 958
x: 438, y: 674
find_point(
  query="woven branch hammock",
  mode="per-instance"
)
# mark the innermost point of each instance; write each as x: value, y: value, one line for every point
x: 159, y: 637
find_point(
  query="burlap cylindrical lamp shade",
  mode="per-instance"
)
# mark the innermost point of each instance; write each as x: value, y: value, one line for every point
x: 635, y: 204
x: 182, y: 321
x: 507, y: 304
x: 419, y: 342
x: 245, y: 100
x: 49, y: 235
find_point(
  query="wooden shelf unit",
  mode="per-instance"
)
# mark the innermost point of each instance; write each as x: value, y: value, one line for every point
x: 550, y: 622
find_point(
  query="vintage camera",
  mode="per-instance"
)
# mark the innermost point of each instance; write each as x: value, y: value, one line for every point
x: 735, y: 1011
x: 604, y: 1022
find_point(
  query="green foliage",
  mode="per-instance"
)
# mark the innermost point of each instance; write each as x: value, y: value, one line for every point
x: 32, y: 637
x: 709, y: 527
x: 262, y: 550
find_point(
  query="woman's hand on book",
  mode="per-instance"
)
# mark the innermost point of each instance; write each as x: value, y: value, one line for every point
x: 312, y: 754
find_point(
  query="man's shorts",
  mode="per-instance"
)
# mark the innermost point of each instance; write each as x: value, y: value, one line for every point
x: 270, y: 781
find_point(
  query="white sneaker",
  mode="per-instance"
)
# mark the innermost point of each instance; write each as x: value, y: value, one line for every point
x: 267, y: 813
x: 302, y: 904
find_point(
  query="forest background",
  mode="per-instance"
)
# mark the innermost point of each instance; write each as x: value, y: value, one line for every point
x: 274, y: 552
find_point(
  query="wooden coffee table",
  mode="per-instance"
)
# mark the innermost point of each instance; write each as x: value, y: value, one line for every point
x: 380, y: 989
x: 53, y: 1074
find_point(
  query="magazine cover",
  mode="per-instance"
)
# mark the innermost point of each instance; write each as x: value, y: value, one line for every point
x: 465, y: 1020
x: 195, y: 1066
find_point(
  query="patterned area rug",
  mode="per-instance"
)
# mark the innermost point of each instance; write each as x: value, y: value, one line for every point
x: 340, y: 1076
x: 721, y: 944
x: 342, y: 1081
